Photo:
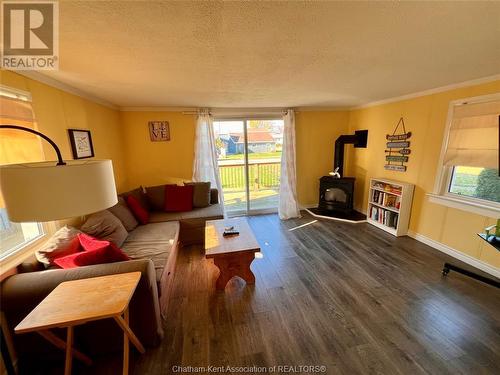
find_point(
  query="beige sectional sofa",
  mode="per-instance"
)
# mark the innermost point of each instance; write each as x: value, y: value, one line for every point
x: 153, y: 250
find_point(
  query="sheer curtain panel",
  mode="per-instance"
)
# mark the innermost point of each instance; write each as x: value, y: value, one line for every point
x: 288, y: 205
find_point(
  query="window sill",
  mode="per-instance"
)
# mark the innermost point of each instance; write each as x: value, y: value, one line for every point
x: 464, y: 205
x: 15, y: 259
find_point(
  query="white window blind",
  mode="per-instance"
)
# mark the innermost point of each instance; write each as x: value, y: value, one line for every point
x: 17, y: 147
x: 473, y: 137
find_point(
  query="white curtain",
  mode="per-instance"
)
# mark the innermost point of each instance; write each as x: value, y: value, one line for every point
x: 288, y: 205
x: 205, y: 167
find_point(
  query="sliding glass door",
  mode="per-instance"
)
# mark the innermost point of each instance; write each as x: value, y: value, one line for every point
x: 249, y: 154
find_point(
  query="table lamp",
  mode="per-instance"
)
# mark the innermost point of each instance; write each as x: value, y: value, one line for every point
x: 46, y: 191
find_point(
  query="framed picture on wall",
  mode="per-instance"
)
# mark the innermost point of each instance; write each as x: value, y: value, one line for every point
x: 159, y: 131
x: 81, y: 143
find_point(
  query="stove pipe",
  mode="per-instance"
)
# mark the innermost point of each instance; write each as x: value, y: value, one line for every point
x: 359, y: 139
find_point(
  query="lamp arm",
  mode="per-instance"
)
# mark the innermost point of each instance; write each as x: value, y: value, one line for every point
x: 60, y: 160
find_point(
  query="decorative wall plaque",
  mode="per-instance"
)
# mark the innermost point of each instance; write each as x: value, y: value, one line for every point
x: 398, y: 148
x: 159, y: 131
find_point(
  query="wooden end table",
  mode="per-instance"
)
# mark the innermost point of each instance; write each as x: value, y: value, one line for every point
x: 76, y: 302
x: 233, y: 255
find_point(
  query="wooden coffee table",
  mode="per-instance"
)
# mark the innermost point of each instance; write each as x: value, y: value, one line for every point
x: 76, y: 302
x: 232, y: 255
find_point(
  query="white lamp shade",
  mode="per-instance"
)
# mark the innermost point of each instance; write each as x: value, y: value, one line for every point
x: 45, y: 191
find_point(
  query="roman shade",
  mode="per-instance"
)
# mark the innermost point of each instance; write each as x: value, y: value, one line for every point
x: 473, y: 137
x: 15, y: 146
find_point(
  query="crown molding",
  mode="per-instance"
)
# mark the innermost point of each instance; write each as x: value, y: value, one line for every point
x: 37, y: 76
x: 158, y: 109
x: 435, y: 90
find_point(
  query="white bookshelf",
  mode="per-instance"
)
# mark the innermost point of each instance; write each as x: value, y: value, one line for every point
x: 389, y: 205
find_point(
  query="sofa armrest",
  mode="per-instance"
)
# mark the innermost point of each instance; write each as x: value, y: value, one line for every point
x: 214, y: 196
x: 20, y: 293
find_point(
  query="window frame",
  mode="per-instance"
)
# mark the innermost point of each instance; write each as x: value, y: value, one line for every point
x: 18, y: 254
x: 441, y: 194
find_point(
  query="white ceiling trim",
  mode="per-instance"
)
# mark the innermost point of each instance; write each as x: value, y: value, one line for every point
x: 37, y: 76
x: 435, y: 90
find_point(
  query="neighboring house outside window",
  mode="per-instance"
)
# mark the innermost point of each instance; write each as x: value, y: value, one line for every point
x: 469, y: 176
x: 258, y: 141
x: 17, y: 147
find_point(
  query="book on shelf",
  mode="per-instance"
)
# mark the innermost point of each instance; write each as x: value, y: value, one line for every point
x: 386, y: 200
x: 385, y: 217
x: 387, y: 187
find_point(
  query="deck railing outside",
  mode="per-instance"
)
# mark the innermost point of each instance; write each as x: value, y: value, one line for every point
x: 264, y: 178
x: 261, y: 174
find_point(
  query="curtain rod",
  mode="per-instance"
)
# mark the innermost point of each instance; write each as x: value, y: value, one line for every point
x: 240, y: 112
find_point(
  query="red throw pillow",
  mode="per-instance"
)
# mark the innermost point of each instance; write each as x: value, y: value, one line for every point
x: 140, y: 213
x: 178, y: 198
x: 94, y: 252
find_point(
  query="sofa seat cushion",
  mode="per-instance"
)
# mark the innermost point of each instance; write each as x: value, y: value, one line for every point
x: 152, y: 241
x: 160, y: 216
x: 206, y: 213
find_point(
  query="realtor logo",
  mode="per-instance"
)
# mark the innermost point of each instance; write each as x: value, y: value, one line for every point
x: 30, y: 35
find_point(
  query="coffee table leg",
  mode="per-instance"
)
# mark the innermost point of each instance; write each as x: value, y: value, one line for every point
x: 245, y: 272
x: 234, y: 265
x: 69, y: 351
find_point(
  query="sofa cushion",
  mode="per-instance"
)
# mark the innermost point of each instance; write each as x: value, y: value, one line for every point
x: 105, y: 226
x: 209, y: 212
x: 123, y: 213
x: 214, y: 196
x: 178, y: 198
x: 140, y: 213
x: 152, y: 241
x: 140, y: 195
x: 201, y: 193
x: 156, y: 197
x: 200, y: 215
x: 94, y: 252
x: 159, y: 217
x: 59, y: 244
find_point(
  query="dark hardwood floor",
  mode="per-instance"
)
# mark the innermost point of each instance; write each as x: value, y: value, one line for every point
x: 350, y: 297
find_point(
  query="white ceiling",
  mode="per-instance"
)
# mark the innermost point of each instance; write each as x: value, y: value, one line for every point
x: 270, y: 54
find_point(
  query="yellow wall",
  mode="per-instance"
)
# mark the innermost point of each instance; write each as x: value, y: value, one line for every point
x: 315, y: 135
x: 425, y: 117
x: 56, y: 111
x: 150, y: 163
x: 153, y: 163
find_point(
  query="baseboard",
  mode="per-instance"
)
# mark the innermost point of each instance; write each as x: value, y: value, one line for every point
x: 306, y: 206
x: 455, y: 254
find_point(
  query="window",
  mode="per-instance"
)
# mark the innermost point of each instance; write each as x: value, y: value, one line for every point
x: 249, y: 159
x: 474, y: 182
x: 17, y: 147
x: 469, y: 176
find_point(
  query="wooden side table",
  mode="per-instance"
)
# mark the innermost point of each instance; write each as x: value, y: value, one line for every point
x: 233, y: 255
x: 76, y: 302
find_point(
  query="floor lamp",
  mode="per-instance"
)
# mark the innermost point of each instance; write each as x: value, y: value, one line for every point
x: 47, y: 191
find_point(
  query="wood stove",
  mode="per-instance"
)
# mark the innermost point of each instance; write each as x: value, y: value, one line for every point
x: 336, y: 194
